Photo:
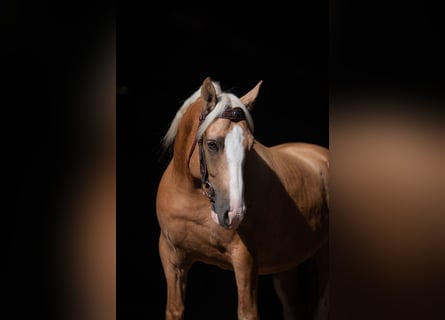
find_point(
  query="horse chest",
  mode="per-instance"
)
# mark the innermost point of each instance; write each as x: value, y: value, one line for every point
x: 201, y: 237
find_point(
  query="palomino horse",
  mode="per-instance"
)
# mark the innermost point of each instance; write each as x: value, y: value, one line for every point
x: 227, y: 200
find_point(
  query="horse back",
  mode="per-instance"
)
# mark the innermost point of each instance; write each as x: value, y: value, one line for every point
x: 313, y: 154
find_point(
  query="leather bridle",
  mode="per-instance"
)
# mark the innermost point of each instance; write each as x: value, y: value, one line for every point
x: 233, y: 114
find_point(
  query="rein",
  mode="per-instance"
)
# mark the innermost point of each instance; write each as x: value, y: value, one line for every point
x: 233, y: 114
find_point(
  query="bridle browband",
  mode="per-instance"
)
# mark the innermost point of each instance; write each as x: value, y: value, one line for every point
x: 233, y: 114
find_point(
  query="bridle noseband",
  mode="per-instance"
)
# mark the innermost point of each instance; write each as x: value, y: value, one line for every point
x: 233, y: 114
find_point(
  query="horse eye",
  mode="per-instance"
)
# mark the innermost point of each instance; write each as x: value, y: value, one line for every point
x: 212, y: 145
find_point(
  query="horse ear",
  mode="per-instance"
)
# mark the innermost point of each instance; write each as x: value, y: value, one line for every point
x: 249, y: 98
x: 208, y: 95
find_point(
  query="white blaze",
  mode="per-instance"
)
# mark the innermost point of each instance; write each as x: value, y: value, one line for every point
x: 235, y: 154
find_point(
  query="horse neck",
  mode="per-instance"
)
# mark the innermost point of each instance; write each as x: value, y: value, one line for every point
x: 186, y: 165
x: 260, y: 154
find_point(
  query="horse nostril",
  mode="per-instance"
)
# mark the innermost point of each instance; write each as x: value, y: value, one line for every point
x: 226, y: 218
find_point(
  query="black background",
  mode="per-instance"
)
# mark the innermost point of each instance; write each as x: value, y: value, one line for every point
x: 162, y: 57
x: 304, y: 52
x: 386, y: 47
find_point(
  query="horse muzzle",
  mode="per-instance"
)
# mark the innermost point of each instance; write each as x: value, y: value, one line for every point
x: 228, y: 219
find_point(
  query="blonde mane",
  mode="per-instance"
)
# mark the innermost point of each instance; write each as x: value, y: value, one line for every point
x: 224, y: 99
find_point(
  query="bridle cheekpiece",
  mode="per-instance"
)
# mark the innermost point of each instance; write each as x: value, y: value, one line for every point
x: 233, y: 114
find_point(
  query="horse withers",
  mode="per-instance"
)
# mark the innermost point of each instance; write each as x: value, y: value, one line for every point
x: 226, y: 199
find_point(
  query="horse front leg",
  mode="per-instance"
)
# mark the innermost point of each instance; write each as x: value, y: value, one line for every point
x: 176, y: 270
x: 246, y: 275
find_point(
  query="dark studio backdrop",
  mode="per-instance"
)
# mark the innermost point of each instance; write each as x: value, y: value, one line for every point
x: 163, y: 55
x: 307, y: 54
x: 310, y: 55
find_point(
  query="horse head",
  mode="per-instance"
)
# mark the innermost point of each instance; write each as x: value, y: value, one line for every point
x: 225, y: 136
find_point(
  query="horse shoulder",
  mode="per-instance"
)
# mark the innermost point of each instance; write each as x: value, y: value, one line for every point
x: 304, y: 168
x: 184, y: 214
